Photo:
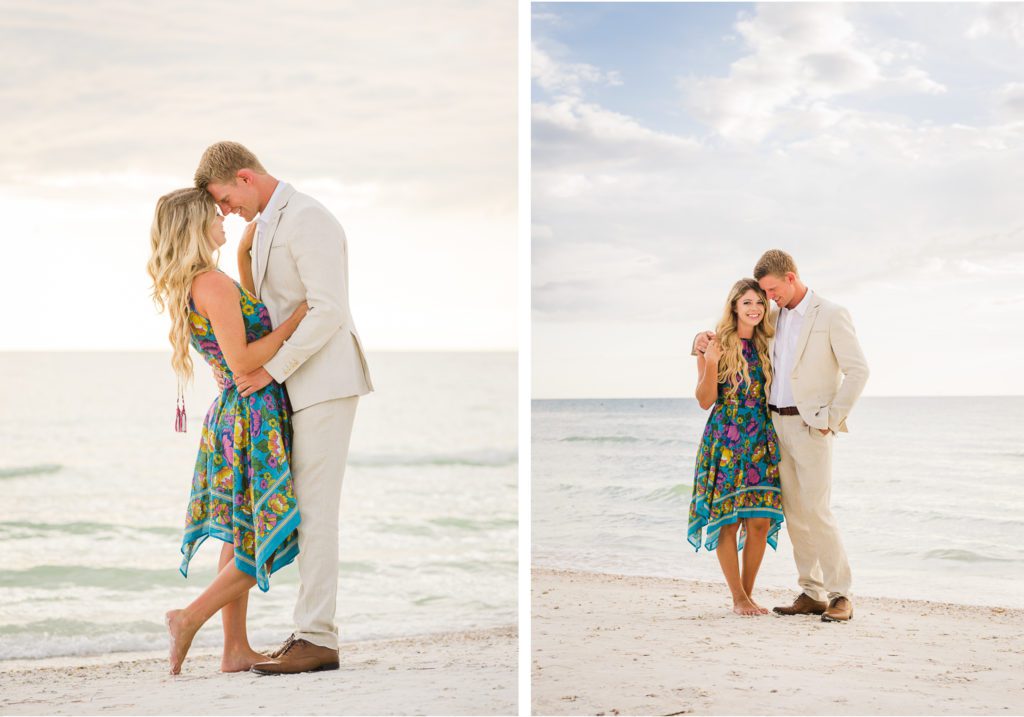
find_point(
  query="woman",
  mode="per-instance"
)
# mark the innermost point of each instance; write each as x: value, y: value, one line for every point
x: 737, y: 474
x: 242, y: 486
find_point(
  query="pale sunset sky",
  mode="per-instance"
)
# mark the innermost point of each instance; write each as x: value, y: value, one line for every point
x: 881, y: 144
x: 399, y: 116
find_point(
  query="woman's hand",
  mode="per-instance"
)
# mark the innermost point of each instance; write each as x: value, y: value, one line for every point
x: 245, y: 245
x: 300, y: 313
x: 707, y: 374
x: 245, y: 258
x: 713, y: 352
x: 701, y: 341
x: 297, y: 316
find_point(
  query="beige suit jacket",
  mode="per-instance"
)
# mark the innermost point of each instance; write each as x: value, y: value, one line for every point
x: 830, y: 370
x: 304, y: 257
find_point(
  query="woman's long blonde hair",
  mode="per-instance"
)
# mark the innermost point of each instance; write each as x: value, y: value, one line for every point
x: 181, y: 249
x: 733, y: 367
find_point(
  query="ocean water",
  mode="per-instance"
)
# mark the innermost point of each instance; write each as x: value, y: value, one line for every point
x: 94, y: 482
x: 928, y: 494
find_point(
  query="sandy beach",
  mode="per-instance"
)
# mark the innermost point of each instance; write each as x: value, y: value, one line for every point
x: 464, y: 673
x: 609, y: 644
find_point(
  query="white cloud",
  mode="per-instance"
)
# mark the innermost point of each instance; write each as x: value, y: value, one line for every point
x: 592, y: 277
x: 1010, y: 100
x: 801, y: 55
x: 563, y: 78
x: 596, y: 133
x: 599, y: 134
x: 1000, y: 19
x: 547, y: 17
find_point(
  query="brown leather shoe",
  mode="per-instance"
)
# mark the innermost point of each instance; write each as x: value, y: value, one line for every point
x: 840, y: 609
x: 284, y: 646
x: 803, y: 605
x: 300, y: 656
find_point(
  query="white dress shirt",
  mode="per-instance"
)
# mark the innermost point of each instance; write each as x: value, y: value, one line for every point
x: 263, y: 219
x: 787, y: 333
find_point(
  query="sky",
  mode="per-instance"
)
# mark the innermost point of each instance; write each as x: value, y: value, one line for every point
x: 400, y: 117
x: 881, y: 145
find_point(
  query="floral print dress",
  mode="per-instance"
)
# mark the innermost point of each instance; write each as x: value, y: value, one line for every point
x: 737, y: 470
x: 242, y: 486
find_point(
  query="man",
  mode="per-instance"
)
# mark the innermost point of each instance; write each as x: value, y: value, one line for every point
x: 299, y: 254
x: 818, y: 372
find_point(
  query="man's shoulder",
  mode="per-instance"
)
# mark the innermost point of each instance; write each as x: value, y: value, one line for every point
x: 830, y: 311
x: 305, y: 207
x: 301, y: 200
x: 824, y: 305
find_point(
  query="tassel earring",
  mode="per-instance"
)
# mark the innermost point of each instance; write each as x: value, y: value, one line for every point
x: 180, y: 422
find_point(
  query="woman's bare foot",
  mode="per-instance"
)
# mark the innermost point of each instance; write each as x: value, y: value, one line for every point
x: 746, y: 607
x: 241, y: 661
x: 181, y: 632
x: 760, y: 609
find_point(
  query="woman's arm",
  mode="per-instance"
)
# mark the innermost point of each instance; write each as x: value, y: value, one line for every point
x: 245, y: 258
x: 707, y: 375
x: 217, y: 297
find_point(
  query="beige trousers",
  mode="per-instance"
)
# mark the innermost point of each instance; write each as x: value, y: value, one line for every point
x: 805, y: 472
x: 319, y: 452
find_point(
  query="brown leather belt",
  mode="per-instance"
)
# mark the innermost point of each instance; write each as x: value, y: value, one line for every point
x: 785, y: 411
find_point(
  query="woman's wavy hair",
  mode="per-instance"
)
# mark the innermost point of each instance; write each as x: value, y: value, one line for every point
x: 181, y: 249
x: 733, y: 368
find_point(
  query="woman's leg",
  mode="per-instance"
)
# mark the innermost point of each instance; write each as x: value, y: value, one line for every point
x: 229, y: 585
x: 730, y: 563
x: 753, y: 553
x: 238, y: 654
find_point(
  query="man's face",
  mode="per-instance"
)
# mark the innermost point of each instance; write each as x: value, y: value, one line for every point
x: 237, y: 197
x: 780, y: 289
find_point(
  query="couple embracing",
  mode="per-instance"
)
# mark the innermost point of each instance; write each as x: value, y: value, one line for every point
x: 286, y: 356
x: 782, y: 384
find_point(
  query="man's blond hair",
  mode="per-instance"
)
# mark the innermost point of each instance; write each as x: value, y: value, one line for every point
x: 775, y: 262
x: 220, y: 163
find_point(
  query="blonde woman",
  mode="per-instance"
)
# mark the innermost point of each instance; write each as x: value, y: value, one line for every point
x: 242, y: 486
x: 737, y: 501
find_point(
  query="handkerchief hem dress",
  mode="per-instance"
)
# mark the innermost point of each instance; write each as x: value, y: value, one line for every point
x: 737, y: 467
x: 242, y: 490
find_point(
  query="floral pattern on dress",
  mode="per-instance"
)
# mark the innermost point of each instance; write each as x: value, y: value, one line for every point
x: 737, y: 467
x: 242, y: 491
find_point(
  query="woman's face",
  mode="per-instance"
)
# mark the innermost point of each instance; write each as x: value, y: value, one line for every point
x: 217, y: 232
x: 749, y: 309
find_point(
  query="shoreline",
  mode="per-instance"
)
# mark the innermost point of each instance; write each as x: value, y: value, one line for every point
x: 552, y: 568
x: 18, y: 664
x: 422, y: 674
x: 617, y: 644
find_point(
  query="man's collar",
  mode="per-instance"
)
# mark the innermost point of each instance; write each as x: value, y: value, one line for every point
x: 272, y: 204
x: 801, y: 308
x: 805, y: 302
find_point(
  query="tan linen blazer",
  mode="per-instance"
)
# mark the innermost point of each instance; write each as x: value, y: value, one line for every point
x: 304, y: 257
x: 830, y: 370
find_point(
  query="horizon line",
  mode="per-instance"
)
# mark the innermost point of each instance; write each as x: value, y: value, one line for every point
x: 161, y: 351
x: 691, y: 398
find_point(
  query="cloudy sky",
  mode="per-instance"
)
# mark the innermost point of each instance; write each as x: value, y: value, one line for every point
x: 882, y: 145
x: 399, y: 116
